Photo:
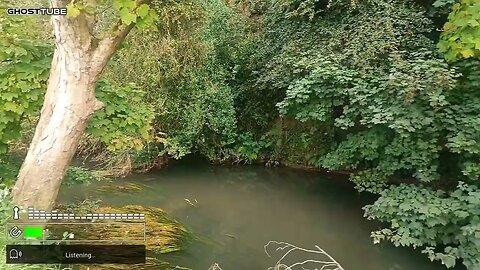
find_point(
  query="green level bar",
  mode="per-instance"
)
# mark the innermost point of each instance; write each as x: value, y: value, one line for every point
x: 33, y: 232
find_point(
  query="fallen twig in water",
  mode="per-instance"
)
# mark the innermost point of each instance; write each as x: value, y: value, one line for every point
x: 190, y: 203
x: 182, y: 268
x: 230, y: 235
x: 329, y: 263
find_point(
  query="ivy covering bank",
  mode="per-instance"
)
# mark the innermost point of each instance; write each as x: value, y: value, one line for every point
x: 386, y: 90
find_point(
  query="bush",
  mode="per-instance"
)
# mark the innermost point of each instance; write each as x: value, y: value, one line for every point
x: 380, y: 104
x: 445, y: 224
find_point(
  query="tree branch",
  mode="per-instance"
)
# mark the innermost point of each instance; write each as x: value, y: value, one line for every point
x: 285, y: 249
x: 107, y: 47
x: 109, y: 44
x: 74, y: 31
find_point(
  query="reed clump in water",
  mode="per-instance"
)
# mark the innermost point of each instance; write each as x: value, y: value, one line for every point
x: 150, y: 264
x: 163, y: 234
x: 126, y: 188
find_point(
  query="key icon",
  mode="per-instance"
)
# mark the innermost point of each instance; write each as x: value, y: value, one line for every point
x: 15, y: 212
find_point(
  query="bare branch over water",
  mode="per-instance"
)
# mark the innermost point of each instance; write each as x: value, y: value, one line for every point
x: 315, y: 259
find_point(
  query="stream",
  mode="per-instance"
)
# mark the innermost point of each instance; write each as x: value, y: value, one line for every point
x: 240, y: 209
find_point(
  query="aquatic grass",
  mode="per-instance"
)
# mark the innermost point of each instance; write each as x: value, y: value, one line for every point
x: 164, y: 234
x: 150, y: 264
x: 125, y: 188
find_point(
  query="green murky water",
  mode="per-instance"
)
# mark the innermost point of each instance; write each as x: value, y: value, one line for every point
x: 237, y: 210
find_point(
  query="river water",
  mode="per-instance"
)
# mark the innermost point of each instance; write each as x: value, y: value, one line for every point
x: 240, y: 209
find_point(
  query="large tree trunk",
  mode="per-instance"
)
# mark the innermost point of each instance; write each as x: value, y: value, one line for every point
x: 70, y: 101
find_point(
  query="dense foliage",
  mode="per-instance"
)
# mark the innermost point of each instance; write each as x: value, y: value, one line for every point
x: 124, y: 122
x: 381, y: 105
x: 461, y: 36
x: 369, y: 87
x: 128, y: 12
x: 192, y: 53
x: 24, y: 66
x: 422, y: 217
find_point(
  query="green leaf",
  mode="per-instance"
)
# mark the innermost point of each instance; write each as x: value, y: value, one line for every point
x: 117, y: 4
x: 127, y: 17
x: 10, y: 106
x: 128, y: 4
x: 72, y: 10
x: 466, y: 53
x: 143, y: 10
x: 449, y: 261
x: 141, y: 24
x: 8, y: 96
